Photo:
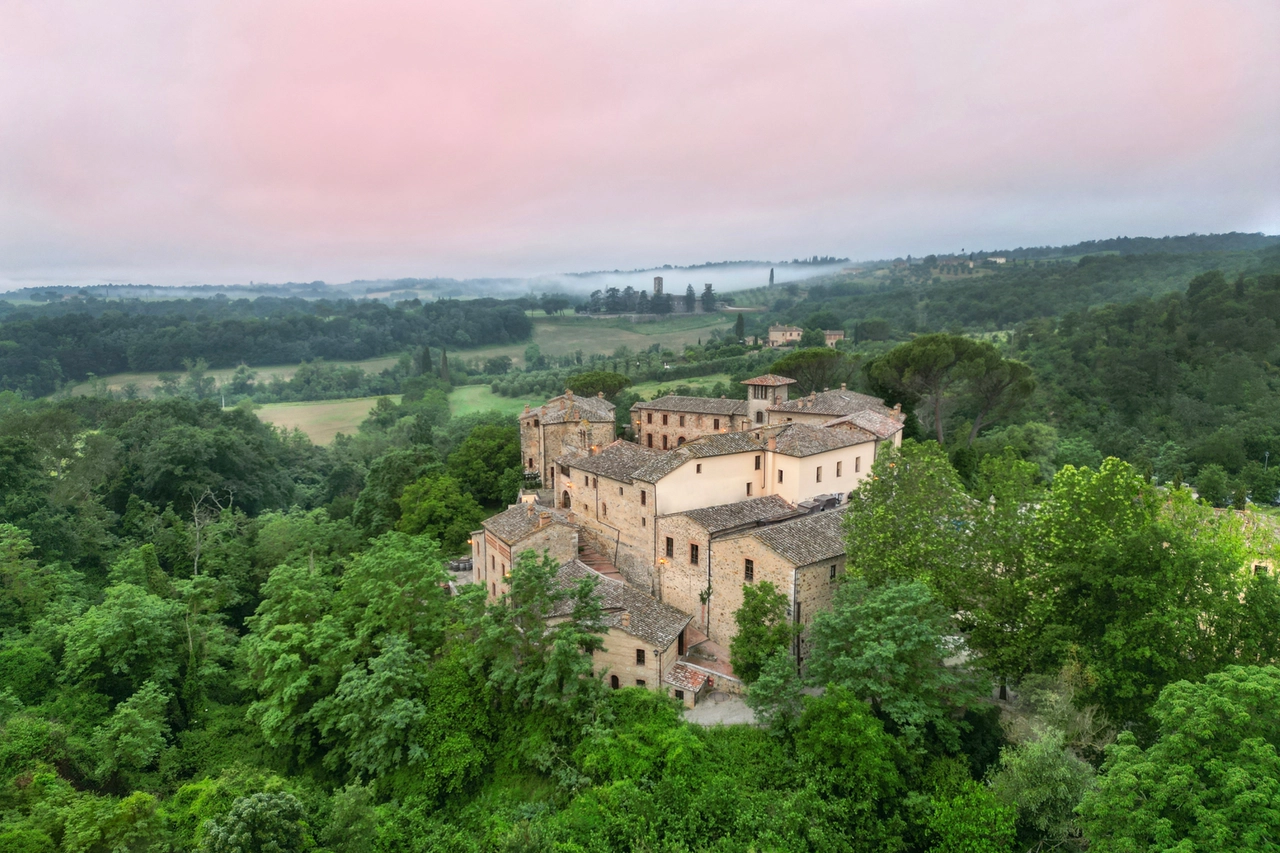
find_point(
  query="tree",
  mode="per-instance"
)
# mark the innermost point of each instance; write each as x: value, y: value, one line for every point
x: 1209, y: 780
x: 439, y: 508
x: 908, y: 521
x: 1044, y: 782
x: 268, y: 822
x: 740, y: 328
x: 775, y: 696
x: 424, y: 361
x: 690, y: 300
x: 764, y: 627
x: 1211, y: 485
x: 817, y: 369
x: 133, y: 737
x: 708, y: 300
x: 131, y: 638
x: 498, y: 365
x: 592, y: 382
x: 377, y: 508
x: 484, y: 456
x: 444, y: 366
x: 812, y: 338
x: 888, y: 646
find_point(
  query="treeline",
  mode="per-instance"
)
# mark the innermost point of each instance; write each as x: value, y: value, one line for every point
x: 39, y: 352
x: 917, y: 300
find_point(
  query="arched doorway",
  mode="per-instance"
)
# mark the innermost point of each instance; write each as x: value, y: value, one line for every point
x: 565, y: 503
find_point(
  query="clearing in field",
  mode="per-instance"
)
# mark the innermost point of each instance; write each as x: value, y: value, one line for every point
x: 323, y: 420
x: 478, y: 398
x: 147, y: 382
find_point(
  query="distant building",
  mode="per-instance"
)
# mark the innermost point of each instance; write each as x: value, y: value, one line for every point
x: 997, y: 260
x: 832, y: 336
x: 781, y: 336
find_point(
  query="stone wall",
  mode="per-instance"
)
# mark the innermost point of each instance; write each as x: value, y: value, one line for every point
x: 680, y: 581
x: 615, y: 523
x: 651, y: 430
x: 618, y: 657
x: 494, y: 558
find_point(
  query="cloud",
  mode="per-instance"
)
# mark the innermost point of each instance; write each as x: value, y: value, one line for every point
x: 301, y: 139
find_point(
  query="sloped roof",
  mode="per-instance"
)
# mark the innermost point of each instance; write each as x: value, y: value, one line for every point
x: 570, y: 408
x: 695, y: 405
x: 875, y: 424
x: 809, y: 539
x: 617, y: 461
x: 771, y: 379
x: 516, y: 522
x: 728, y: 516
x: 808, y: 439
x: 715, y: 444
x: 837, y: 403
x: 650, y: 620
x: 685, y: 677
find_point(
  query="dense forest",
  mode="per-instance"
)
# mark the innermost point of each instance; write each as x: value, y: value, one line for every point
x: 42, y: 348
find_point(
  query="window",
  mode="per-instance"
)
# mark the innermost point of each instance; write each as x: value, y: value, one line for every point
x: 759, y: 417
x: 643, y: 497
x: 604, y: 509
x: 715, y: 423
x: 565, y: 503
x: 682, y: 420
x: 639, y: 682
x: 819, y: 473
x: 788, y: 420
x: 679, y: 695
x: 639, y: 657
x: 664, y: 442
x: 619, y: 489
x: 759, y: 392
x: 839, y: 469
x: 680, y: 643
x: 779, y: 475
x: 535, y: 421
x: 644, y: 522
x: 833, y: 571
x: 749, y: 571
x: 530, y: 465
x: 693, y: 554
x: 664, y: 420
x: 586, y: 481
x: 493, y: 563
x: 564, y: 470
x: 595, y: 483
x: 493, y: 590
x: 649, y: 418
x: 680, y: 441
x: 757, y: 462
x: 614, y: 683
x: 651, y: 439
x: 697, y: 469
x: 857, y: 464
x: 748, y: 490
x: 671, y: 547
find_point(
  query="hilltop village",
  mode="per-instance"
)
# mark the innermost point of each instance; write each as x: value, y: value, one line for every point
x: 712, y: 494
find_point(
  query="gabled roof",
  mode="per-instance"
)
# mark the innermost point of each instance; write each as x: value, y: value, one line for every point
x: 837, y: 403
x: 570, y: 408
x: 806, y: 540
x: 626, y: 608
x: 874, y: 424
x: 516, y: 522
x: 809, y: 439
x: 715, y: 444
x: 617, y: 461
x: 695, y: 405
x: 715, y: 519
x: 770, y: 379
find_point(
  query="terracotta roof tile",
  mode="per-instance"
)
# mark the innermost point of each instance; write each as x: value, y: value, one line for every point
x: 695, y: 405
x: 516, y: 522
x: 617, y: 461
x: 728, y: 516
x: 649, y: 619
x: 806, y: 540
x: 837, y: 403
x: 770, y: 379
x: 571, y: 408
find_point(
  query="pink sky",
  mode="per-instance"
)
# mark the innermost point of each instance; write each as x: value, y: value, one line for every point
x: 197, y: 141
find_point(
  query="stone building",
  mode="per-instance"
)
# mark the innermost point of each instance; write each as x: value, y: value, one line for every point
x: 561, y: 425
x: 763, y: 392
x: 670, y: 421
x: 832, y: 336
x: 520, y: 528
x: 784, y: 336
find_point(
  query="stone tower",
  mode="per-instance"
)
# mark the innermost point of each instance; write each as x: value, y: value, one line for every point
x: 657, y: 285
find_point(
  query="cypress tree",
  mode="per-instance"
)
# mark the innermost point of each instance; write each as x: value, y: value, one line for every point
x: 740, y: 327
x: 444, y: 366
x: 424, y: 361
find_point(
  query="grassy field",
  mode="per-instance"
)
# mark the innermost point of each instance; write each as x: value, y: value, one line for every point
x: 322, y: 420
x: 478, y: 398
x: 147, y: 381
x: 649, y: 390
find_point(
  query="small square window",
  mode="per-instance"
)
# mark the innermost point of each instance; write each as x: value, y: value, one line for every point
x: 639, y: 657
x: 639, y: 682
x: 749, y: 571
x: 748, y: 490
x: 679, y: 695
x: 698, y: 468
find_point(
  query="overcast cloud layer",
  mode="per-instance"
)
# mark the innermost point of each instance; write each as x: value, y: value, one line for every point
x: 184, y: 142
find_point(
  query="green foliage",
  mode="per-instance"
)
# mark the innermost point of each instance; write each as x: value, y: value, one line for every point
x: 818, y: 368
x: 888, y: 645
x: 260, y: 823
x: 811, y: 338
x: 480, y: 461
x: 764, y: 627
x: 970, y: 819
x: 907, y: 520
x: 1210, y: 779
x: 438, y: 508
x: 774, y: 696
x: 131, y: 638
x: 377, y: 509
x: 595, y: 382
x: 133, y: 737
x: 1212, y: 486
x: 1043, y: 782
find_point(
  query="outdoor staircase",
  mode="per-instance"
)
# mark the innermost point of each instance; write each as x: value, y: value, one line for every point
x: 598, y: 563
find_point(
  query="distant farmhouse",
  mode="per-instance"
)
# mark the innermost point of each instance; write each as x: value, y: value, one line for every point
x: 785, y: 336
x: 712, y: 494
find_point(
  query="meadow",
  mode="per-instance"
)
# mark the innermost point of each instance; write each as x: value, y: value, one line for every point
x: 323, y: 420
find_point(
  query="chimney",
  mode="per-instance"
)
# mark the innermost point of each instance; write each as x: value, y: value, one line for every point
x: 544, y: 518
x: 844, y: 386
x: 626, y: 619
x: 773, y: 443
x: 568, y: 393
x: 600, y: 394
x: 897, y: 407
